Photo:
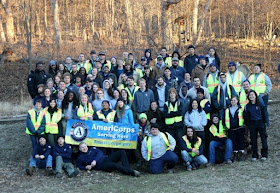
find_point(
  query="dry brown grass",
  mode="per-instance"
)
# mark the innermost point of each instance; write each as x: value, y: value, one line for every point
x: 10, y: 108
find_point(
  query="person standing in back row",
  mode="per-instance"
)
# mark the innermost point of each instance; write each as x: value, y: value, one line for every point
x: 191, y: 60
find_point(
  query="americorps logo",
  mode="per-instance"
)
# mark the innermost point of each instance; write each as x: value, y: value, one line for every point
x: 79, y: 131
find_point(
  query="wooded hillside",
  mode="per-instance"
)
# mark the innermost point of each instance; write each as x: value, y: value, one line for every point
x: 52, y: 28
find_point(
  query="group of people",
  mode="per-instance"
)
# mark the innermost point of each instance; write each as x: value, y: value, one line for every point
x: 188, y: 111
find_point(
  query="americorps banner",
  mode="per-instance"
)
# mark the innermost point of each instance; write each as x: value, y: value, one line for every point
x: 101, y: 134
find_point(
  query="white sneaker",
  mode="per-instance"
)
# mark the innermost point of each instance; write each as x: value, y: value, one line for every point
x: 253, y: 159
x: 263, y: 159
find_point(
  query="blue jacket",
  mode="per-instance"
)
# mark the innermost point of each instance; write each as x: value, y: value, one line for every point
x: 253, y: 113
x: 65, y: 152
x: 42, y: 150
x: 219, y: 106
x: 85, y: 159
x: 178, y: 72
x: 190, y: 62
x: 127, y: 117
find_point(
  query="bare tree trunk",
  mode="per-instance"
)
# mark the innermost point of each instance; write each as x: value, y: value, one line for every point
x: 253, y: 21
x: 195, y: 19
x: 56, y: 26
x: 2, y: 33
x: 10, y: 31
x: 202, y: 21
x: 28, y: 30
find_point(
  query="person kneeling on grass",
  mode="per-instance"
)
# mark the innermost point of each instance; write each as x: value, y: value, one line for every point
x: 158, y: 148
x: 93, y: 158
x: 62, y: 154
x: 191, y: 150
x: 218, y: 139
x: 41, y: 157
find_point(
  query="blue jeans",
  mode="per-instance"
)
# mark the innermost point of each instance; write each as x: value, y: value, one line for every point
x: 214, y: 144
x: 40, y: 163
x: 34, y: 140
x: 200, y: 159
x: 156, y: 165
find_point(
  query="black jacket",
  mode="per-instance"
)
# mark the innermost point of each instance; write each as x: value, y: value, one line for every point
x: 34, y: 79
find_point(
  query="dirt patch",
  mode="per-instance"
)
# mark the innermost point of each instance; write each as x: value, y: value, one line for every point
x: 239, y: 177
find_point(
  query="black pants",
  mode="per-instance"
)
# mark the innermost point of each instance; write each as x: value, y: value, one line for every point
x: 255, y: 128
x: 201, y: 134
x: 237, y: 138
x: 111, y: 163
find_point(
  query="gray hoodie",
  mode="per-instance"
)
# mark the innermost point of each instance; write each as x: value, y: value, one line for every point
x: 184, y: 100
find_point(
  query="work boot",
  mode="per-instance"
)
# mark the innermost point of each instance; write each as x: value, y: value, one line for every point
x: 29, y: 171
x: 74, y: 174
x: 241, y: 156
x: 136, y: 173
x: 49, y: 171
x: 59, y: 175
x: 235, y: 156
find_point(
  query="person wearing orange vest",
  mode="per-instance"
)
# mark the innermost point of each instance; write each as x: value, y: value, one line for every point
x: 35, y: 122
x: 235, y: 77
x: 211, y: 79
x: 218, y: 139
x: 234, y: 122
x: 192, y: 151
x: 260, y: 83
x: 52, y: 115
x: 157, y: 148
x: 221, y: 95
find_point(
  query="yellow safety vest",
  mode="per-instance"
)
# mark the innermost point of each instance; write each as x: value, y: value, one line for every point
x: 189, y: 145
x: 240, y: 118
x: 243, y: 100
x: 202, y: 104
x: 181, y: 63
x: 258, y: 85
x: 109, y: 64
x: 222, y: 132
x: 237, y: 81
x: 110, y: 117
x: 140, y: 72
x: 219, y: 92
x: 120, y: 87
x: 167, y: 61
x: 211, y: 83
x: 148, y: 141
x: 51, y: 122
x: 171, y: 108
x: 85, y: 113
x: 36, y: 123
x: 131, y: 96
x: 87, y: 65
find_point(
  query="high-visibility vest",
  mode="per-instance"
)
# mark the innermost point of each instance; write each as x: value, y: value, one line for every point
x: 237, y: 81
x: 202, y: 104
x: 36, y: 122
x: 85, y: 112
x: 240, y: 118
x: 110, y: 117
x: 222, y: 132
x: 189, y: 145
x: 171, y: 108
x: 258, y: 85
x: 181, y: 63
x: 219, y: 92
x: 211, y: 83
x: 109, y: 64
x: 243, y: 100
x: 87, y: 65
x: 51, y: 122
x: 148, y: 141
x: 167, y: 61
x: 140, y: 72
x: 120, y: 87
x: 131, y: 95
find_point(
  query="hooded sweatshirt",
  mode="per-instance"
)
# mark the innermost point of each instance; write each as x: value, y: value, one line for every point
x: 184, y: 100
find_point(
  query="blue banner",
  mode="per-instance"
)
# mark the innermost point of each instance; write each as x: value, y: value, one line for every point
x: 101, y: 134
